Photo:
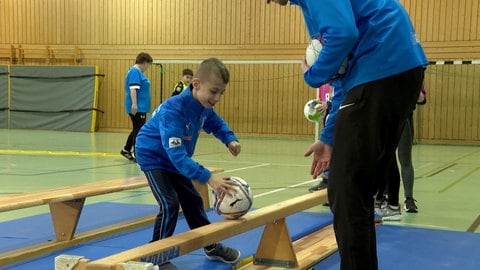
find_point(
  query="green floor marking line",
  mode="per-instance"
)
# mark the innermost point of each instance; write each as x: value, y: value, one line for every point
x: 474, y: 225
x: 458, y: 180
x: 453, y: 163
x: 437, y: 171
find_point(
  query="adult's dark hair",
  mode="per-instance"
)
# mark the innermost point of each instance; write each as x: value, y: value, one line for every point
x: 143, y: 57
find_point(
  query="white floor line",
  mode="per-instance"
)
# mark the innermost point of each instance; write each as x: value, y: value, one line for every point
x: 307, y: 164
x: 249, y: 167
x: 282, y: 189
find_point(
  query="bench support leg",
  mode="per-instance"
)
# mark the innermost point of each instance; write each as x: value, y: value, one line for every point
x: 203, y: 190
x: 65, y: 216
x: 275, y: 247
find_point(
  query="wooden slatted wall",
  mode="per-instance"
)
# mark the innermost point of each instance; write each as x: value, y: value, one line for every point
x: 262, y: 98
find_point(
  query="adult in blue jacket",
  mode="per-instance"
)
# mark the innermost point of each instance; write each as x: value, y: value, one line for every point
x: 380, y: 86
x: 164, y: 150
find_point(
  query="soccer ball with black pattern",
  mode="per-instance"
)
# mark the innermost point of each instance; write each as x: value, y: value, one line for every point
x: 237, y: 205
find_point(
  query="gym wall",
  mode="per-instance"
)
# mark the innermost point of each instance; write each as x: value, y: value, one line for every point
x: 262, y: 42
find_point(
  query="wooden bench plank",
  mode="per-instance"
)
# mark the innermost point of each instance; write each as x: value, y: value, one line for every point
x: 182, y: 243
x: 66, y: 204
x: 61, y: 194
x: 36, y: 198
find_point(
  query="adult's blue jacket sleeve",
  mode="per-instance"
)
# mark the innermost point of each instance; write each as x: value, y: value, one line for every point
x: 339, y: 32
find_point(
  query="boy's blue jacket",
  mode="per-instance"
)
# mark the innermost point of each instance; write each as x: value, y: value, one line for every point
x: 376, y: 36
x: 167, y: 141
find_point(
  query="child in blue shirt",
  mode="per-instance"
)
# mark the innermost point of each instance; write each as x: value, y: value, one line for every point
x: 164, y: 150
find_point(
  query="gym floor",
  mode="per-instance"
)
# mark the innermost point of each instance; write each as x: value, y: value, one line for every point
x: 446, y: 190
x: 446, y: 176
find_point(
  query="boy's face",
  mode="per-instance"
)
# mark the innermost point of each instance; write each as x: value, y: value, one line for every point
x: 208, y: 92
x: 187, y: 79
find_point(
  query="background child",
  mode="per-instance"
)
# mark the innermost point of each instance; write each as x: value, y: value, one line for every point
x: 165, y: 146
x: 187, y: 75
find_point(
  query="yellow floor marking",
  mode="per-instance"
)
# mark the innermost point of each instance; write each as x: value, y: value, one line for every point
x: 55, y: 153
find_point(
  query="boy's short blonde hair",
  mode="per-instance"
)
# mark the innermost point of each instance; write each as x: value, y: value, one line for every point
x: 212, y: 66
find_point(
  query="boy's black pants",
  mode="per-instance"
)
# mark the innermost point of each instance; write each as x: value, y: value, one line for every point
x: 171, y: 190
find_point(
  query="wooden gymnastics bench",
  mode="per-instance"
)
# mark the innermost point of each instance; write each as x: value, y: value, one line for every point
x: 309, y: 250
x: 9, y: 54
x: 65, y: 54
x: 275, y: 247
x: 40, y: 55
x: 66, y: 204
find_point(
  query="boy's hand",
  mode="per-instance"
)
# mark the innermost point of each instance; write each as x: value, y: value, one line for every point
x: 220, y: 184
x: 234, y: 148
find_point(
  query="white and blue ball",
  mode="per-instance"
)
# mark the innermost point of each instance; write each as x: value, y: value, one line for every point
x: 237, y: 205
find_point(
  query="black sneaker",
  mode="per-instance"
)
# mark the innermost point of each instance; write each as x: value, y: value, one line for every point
x: 222, y: 253
x: 165, y: 266
x: 410, y: 205
x: 127, y: 155
x: 380, y: 204
x: 318, y: 187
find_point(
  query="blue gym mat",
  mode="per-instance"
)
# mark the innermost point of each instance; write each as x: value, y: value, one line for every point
x: 102, y: 214
x: 410, y: 248
x: 398, y: 247
x: 19, y: 233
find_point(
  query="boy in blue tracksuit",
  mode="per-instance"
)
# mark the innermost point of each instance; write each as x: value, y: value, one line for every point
x: 380, y: 86
x: 164, y: 150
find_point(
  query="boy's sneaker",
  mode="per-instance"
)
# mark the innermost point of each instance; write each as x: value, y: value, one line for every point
x: 377, y: 217
x: 380, y: 204
x: 391, y: 213
x: 222, y: 253
x: 318, y: 187
x: 410, y: 205
x: 127, y: 155
x: 165, y: 266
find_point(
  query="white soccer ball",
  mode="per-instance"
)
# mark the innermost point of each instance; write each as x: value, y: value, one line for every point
x: 310, y: 111
x: 313, y: 50
x: 237, y: 205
